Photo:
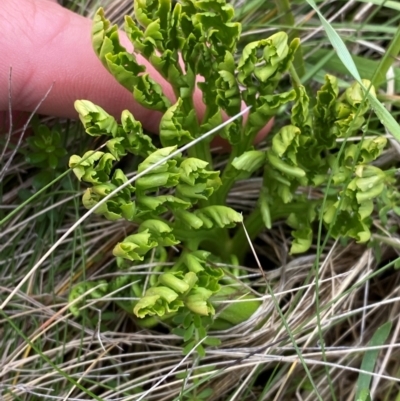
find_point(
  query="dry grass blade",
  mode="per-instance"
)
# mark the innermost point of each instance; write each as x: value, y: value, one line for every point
x: 21, y: 136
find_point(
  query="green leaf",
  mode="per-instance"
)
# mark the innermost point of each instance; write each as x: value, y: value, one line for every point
x: 156, y: 157
x: 228, y: 92
x: 215, y: 19
x: 192, y: 170
x: 382, y: 113
x: 213, y: 115
x: 212, y: 342
x: 265, y: 107
x: 135, y: 246
x: 175, y: 125
x: 264, y: 61
x: 42, y: 178
x: 364, y: 395
x: 160, y: 232
x: 196, y: 181
x: 275, y: 49
x: 36, y: 158
x: 160, y: 204
x: 116, y: 147
x: 153, y: 182
x: 189, y: 219
x: 96, y: 121
x: 119, y: 206
x: 136, y: 141
x: 104, y: 36
x: 197, y: 262
x: 188, y: 333
x: 286, y: 168
x: 231, y: 314
x: 165, y: 174
x: 193, y: 193
x: 188, y: 347
x: 324, y: 112
x: 45, y: 149
x: 355, y: 95
x: 302, y: 240
x: 372, y: 148
x: 158, y: 301
x: 178, y: 331
x: 265, y: 208
x: 249, y: 161
x: 94, y: 167
x: 88, y: 287
x: 168, y: 65
x: 300, y: 115
x: 145, y: 90
x: 197, y: 301
x: 368, y: 150
x: 287, y: 142
x: 303, y: 234
x: 370, y: 358
x: 347, y: 224
x: 118, y: 179
x: 179, y: 282
x: 124, y: 67
x: 219, y: 216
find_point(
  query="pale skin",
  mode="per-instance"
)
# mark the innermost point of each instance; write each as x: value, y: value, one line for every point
x: 49, y: 46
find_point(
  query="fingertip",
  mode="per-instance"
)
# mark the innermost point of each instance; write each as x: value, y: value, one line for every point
x: 264, y: 131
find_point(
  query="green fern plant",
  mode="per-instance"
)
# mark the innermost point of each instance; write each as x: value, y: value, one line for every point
x: 181, y: 202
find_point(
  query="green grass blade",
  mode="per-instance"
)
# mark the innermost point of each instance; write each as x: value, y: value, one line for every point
x: 317, y: 65
x: 387, y: 60
x: 76, y: 383
x: 34, y: 196
x: 394, y: 5
x: 366, y: 67
x: 369, y: 360
x: 337, y: 43
x: 382, y: 113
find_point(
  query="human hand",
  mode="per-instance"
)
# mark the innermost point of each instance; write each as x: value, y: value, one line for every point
x: 46, y: 44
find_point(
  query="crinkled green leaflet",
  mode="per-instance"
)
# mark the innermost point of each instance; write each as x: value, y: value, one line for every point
x: 382, y: 113
x: 178, y: 210
x: 298, y: 158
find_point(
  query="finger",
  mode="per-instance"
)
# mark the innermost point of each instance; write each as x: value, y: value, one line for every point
x: 54, y: 48
x: 265, y: 131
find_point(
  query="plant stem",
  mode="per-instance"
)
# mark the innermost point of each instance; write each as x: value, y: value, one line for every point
x: 287, y: 18
x: 215, y: 240
x: 230, y: 174
x: 387, y: 60
x: 202, y: 151
x: 228, y: 178
x: 295, y: 77
x: 254, y: 225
